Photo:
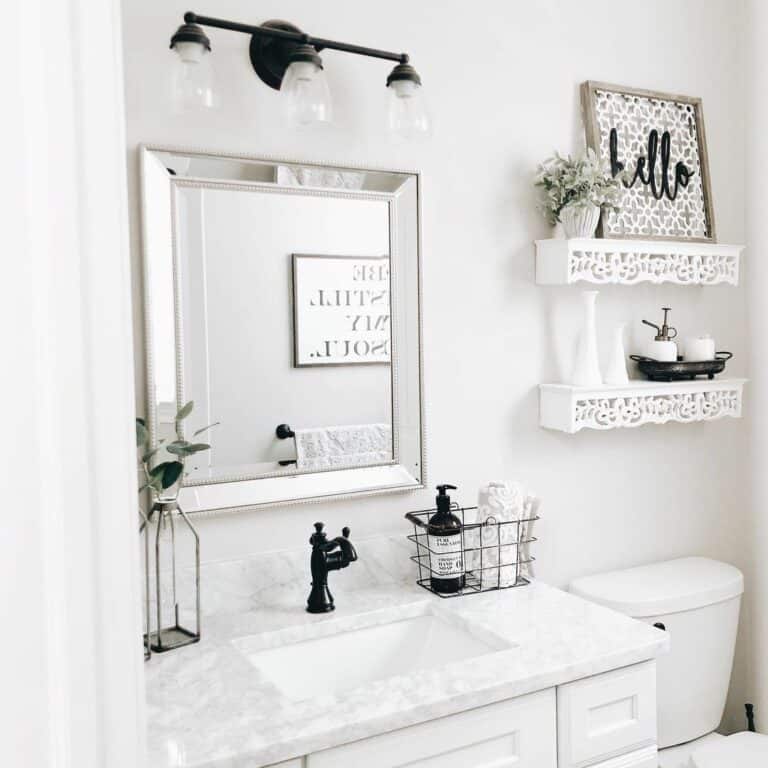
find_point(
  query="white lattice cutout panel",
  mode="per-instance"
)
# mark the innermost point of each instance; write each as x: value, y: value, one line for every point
x: 571, y: 409
x: 627, y: 262
x: 643, y: 214
x: 611, y: 412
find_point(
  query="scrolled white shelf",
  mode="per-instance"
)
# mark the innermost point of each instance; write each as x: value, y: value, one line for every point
x: 626, y: 262
x: 570, y: 409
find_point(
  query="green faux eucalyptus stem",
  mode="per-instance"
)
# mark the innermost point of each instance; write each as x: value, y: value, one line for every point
x: 163, y: 475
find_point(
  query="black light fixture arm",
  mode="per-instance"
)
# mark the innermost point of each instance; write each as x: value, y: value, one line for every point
x: 296, y: 37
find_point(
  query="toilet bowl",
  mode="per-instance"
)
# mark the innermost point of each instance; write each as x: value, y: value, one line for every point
x: 697, y: 601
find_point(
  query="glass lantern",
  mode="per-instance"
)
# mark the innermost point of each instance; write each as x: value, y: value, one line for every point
x: 170, y: 521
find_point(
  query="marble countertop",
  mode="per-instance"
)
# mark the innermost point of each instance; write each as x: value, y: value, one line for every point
x: 209, y: 707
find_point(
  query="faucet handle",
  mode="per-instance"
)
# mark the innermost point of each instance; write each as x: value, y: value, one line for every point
x: 349, y: 555
x: 318, y: 537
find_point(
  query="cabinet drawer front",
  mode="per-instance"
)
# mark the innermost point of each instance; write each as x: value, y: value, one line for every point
x: 606, y: 715
x: 520, y: 733
x: 648, y: 757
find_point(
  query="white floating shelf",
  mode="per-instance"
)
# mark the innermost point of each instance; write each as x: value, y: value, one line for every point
x: 626, y: 262
x: 570, y: 409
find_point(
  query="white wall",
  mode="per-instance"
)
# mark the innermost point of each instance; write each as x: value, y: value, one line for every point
x: 502, y: 80
x: 756, y: 29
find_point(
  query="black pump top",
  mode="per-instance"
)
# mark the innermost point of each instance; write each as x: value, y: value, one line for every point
x: 443, y: 499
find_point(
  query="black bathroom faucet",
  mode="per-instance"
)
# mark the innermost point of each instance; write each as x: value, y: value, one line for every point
x: 325, y: 559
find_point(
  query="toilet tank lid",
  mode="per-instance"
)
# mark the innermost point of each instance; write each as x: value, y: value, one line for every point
x: 663, y: 588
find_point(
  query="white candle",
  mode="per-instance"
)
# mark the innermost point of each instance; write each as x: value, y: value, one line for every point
x: 699, y: 348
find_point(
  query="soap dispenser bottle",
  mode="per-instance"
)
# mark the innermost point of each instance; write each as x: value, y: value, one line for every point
x: 446, y: 558
x: 662, y: 348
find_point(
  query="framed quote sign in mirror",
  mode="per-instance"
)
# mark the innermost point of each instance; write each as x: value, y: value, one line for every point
x: 341, y: 310
x: 657, y: 142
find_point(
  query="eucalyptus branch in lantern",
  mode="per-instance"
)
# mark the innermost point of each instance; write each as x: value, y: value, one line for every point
x: 161, y: 476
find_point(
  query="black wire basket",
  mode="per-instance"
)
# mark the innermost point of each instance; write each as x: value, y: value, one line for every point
x: 495, y: 554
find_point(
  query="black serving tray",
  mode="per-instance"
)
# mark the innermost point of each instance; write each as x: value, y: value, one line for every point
x: 656, y: 370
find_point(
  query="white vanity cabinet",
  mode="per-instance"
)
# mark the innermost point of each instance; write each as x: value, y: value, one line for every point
x: 520, y: 732
x: 604, y: 721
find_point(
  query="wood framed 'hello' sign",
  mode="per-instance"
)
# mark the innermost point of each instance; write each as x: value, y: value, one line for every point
x: 657, y: 142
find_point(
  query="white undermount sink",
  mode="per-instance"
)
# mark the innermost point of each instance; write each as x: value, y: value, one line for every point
x: 329, y: 664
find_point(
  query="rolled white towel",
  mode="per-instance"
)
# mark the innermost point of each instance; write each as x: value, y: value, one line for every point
x: 499, y: 502
x: 532, y: 504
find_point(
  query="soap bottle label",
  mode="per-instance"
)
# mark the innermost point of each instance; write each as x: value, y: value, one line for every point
x: 445, y: 556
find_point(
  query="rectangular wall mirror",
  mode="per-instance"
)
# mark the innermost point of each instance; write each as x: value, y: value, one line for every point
x: 284, y: 299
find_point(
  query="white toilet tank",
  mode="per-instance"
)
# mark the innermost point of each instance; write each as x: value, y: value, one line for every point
x: 697, y: 601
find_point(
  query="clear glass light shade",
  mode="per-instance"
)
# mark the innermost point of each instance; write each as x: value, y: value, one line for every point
x: 408, y: 113
x: 192, y: 77
x: 307, y: 96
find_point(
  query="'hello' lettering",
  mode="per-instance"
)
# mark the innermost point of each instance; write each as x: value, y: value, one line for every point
x: 645, y: 169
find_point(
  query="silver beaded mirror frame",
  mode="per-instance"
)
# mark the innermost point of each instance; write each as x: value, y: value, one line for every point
x: 178, y: 184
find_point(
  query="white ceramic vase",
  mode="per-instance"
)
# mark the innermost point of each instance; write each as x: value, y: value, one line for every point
x: 580, y: 220
x: 586, y: 371
x: 616, y: 372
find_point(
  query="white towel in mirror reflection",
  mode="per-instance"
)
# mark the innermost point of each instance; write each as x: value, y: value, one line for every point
x: 353, y: 445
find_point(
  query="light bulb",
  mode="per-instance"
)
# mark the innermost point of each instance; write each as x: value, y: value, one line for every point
x: 408, y: 114
x: 192, y: 75
x: 307, y: 96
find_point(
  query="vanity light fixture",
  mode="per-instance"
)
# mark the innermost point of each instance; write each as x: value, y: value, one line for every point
x: 287, y: 59
x: 307, y: 96
x: 192, y: 78
x: 408, y: 114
